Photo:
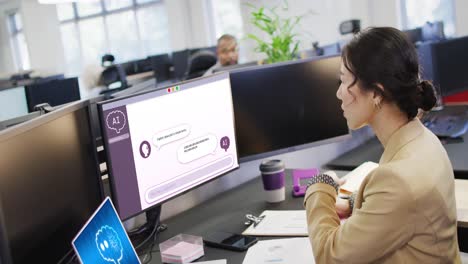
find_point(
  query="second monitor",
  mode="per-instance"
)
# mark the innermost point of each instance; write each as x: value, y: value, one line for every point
x: 287, y: 106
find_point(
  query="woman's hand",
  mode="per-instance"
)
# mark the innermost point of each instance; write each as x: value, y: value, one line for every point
x: 342, y: 207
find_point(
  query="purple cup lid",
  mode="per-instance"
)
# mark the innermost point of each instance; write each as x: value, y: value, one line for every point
x: 269, y: 166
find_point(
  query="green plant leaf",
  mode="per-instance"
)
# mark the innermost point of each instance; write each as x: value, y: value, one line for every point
x: 281, y: 32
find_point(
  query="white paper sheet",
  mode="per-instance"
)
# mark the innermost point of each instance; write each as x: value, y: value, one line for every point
x: 280, y: 251
x: 280, y: 223
x: 356, y: 176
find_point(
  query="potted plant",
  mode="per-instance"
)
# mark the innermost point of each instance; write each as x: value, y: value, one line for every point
x: 282, y: 44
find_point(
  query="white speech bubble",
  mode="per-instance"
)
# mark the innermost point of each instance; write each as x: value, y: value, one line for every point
x: 197, y: 148
x: 170, y: 135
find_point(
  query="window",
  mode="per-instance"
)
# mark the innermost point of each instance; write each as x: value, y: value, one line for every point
x: 18, y: 42
x: 227, y: 18
x: 418, y: 12
x: 128, y: 29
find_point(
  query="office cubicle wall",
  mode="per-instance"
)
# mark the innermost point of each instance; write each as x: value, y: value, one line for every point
x: 49, y: 183
x: 18, y: 120
x: 287, y: 106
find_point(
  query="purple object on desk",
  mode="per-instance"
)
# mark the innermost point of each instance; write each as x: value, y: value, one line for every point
x: 297, y: 175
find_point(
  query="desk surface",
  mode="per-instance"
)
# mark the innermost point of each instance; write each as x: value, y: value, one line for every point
x: 372, y: 150
x: 226, y: 212
x: 139, y: 77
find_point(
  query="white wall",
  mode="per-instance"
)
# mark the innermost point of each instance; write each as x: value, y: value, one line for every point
x: 6, y: 53
x: 42, y: 31
x: 179, y: 18
x: 384, y: 13
x: 189, y: 24
x: 42, y: 34
x: 461, y: 17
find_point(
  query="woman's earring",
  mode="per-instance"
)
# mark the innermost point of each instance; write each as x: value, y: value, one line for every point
x: 378, y: 105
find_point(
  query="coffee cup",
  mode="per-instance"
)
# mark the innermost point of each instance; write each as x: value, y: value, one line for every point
x: 273, y: 180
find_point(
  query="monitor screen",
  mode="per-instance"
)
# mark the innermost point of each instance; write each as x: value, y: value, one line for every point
x: 13, y: 103
x: 49, y: 183
x: 163, y: 143
x: 56, y: 92
x: 280, y: 107
x: 450, y: 59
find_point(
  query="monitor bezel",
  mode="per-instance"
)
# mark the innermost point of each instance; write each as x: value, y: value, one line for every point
x: 24, y: 127
x: 106, y: 145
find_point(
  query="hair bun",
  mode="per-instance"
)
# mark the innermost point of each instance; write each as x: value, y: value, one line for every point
x: 428, y: 97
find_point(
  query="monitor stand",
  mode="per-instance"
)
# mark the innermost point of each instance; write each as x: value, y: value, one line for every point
x: 145, y: 236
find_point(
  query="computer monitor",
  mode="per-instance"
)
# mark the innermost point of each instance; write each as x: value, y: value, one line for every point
x: 56, y: 92
x: 287, y: 106
x: 13, y: 103
x: 144, y: 65
x: 49, y: 184
x: 450, y: 62
x: 331, y: 49
x: 161, y: 66
x: 166, y: 142
x: 180, y: 60
x: 414, y: 35
x: 444, y: 63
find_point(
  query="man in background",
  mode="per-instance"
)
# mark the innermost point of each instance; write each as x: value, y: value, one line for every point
x: 227, y: 51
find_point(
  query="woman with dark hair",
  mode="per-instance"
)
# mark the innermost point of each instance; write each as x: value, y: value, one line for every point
x: 404, y: 211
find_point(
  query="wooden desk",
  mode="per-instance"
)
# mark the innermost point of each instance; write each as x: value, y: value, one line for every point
x: 139, y: 77
x: 461, y: 196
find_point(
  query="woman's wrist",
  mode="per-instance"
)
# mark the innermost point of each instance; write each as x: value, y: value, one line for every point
x: 324, y: 178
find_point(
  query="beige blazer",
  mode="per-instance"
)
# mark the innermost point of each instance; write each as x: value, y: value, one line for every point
x: 404, y: 211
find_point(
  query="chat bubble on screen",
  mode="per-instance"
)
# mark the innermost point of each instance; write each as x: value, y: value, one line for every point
x: 197, y: 148
x: 170, y: 135
x: 115, y: 120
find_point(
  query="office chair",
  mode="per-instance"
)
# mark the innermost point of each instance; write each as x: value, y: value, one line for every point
x: 199, y: 63
x: 113, y: 75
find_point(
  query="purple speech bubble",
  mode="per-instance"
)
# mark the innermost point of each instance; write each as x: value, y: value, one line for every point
x: 225, y: 142
x: 115, y: 120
